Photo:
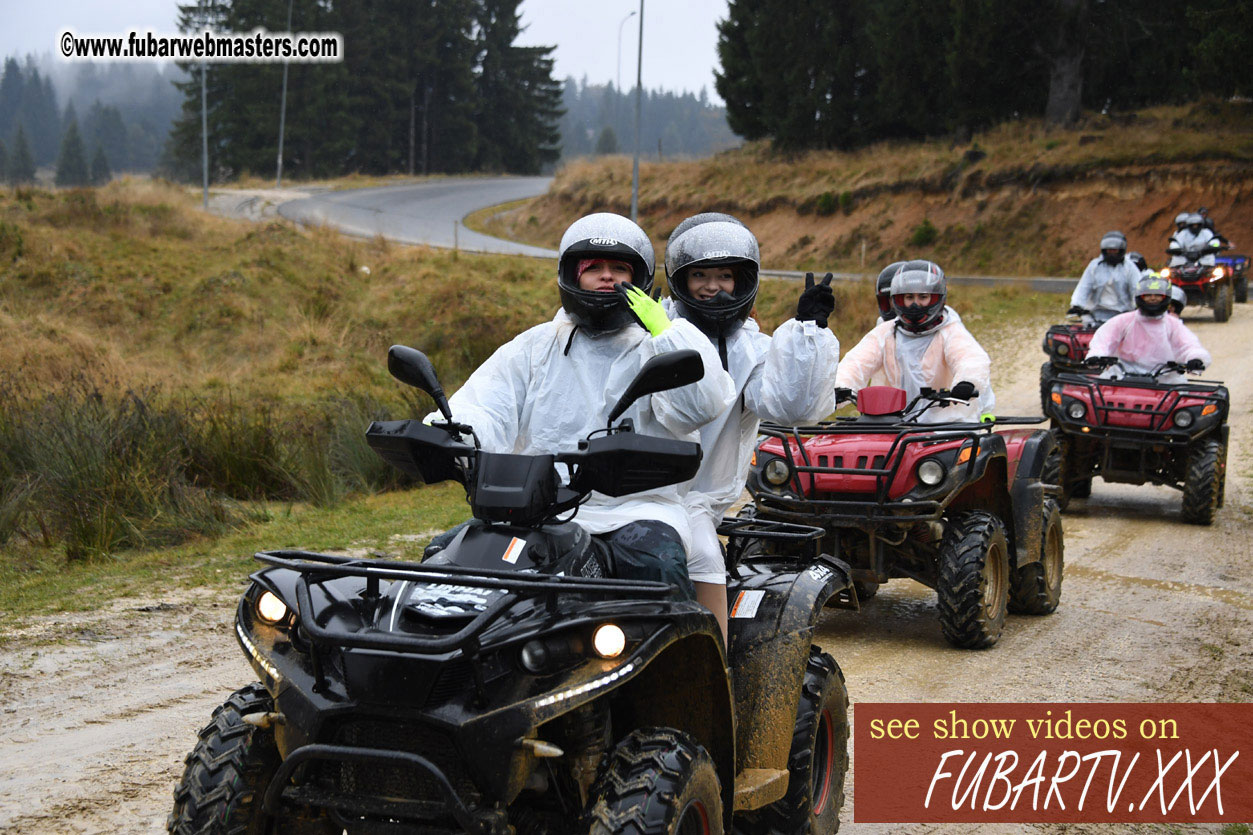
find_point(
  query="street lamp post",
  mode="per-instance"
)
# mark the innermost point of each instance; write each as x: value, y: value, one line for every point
x: 639, y: 89
x: 620, y: 25
x: 282, y: 111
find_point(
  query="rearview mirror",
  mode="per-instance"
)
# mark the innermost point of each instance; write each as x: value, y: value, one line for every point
x: 661, y: 373
x: 412, y: 367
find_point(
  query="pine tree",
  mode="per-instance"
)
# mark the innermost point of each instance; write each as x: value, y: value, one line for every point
x: 519, y: 102
x: 100, y: 173
x: 72, y: 161
x: 21, y: 167
x: 4, y: 161
x: 607, y: 142
x: 11, y: 83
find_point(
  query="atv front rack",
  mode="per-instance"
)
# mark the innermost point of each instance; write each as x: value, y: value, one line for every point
x: 862, y: 512
x: 1160, y: 429
x: 516, y: 586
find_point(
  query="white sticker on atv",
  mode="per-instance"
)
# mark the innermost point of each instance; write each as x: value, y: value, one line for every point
x: 442, y: 600
x: 821, y: 573
x: 746, y: 604
x: 514, y: 550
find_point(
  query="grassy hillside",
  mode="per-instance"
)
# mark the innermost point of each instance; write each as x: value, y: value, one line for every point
x: 1016, y: 200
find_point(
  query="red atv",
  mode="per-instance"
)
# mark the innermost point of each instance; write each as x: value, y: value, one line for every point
x: 1208, y: 285
x: 1136, y: 430
x: 1066, y: 346
x: 955, y: 506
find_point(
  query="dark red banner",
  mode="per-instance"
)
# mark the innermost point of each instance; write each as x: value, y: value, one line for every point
x: 1053, y: 763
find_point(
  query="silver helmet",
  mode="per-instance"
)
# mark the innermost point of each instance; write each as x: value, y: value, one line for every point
x: 714, y: 243
x: 602, y: 236
x: 697, y: 220
x: 1181, y: 220
x: 919, y: 277
x: 1178, y: 299
x: 1153, y: 285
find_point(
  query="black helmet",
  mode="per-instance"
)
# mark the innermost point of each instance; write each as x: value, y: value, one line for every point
x: 1153, y: 285
x: 1138, y: 259
x: 697, y: 220
x: 714, y: 243
x: 1113, y: 247
x: 883, y: 290
x: 919, y: 277
x: 1205, y: 217
x: 607, y: 236
x: 1178, y: 299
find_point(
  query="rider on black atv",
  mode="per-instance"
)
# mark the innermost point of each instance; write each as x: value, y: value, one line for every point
x: 1108, y: 282
x: 556, y: 383
x: 789, y: 378
x: 1145, y: 338
x: 924, y: 346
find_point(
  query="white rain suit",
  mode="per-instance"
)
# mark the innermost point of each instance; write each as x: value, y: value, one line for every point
x: 533, y: 398
x: 788, y: 378
x: 1106, y: 289
x: 1145, y: 342
x: 1188, y: 241
x: 937, y: 359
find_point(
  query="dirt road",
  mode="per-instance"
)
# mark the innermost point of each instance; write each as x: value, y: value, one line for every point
x: 98, y: 710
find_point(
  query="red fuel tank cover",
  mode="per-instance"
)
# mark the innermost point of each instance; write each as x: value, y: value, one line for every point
x: 881, y: 400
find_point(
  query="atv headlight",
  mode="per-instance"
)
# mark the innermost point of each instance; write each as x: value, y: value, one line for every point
x: 1062, y: 349
x: 1075, y: 410
x: 1183, y: 418
x: 534, y: 656
x: 1165, y: 272
x: 270, y: 609
x: 609, y: 640
x: 930, y: 472
x: 1218, y: 273
x: 776, y: 472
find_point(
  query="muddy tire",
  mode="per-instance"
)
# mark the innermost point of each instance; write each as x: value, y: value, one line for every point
x: 1201, y: 486
x: 974, y: 579
x: 1222, y: 303
x: 1081, y: 489
x: 1242, y: 288
x: 1036, y: 588
x: 1222, y: 476
x: 865, y: 589
x: 817, y: 763
x: 227, y: 774
x: 657, y: 781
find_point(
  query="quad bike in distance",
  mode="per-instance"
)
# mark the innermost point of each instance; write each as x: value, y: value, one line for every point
x: 508, y: 684
x: 955, y: 506
x: 1138, y: 430
x: 1066, y: 346
x: 1208, y: 285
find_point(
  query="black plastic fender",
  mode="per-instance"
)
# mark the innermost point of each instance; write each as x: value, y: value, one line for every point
x: 1027, y: 494
x: 774, y: 606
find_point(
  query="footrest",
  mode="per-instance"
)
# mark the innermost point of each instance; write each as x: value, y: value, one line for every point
x: 758, y: 787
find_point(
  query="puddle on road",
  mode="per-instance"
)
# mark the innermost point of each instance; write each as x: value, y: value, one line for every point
x: 1239, y: 599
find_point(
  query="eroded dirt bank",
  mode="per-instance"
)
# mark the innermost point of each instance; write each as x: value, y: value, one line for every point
x: 99, y: 709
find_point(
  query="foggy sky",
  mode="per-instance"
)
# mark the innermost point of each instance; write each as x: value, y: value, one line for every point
x: 679, y: 35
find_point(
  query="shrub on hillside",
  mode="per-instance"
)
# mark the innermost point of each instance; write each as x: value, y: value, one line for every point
x: 924, y: 234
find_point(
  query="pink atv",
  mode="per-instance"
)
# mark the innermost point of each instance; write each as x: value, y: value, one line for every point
x: 1137, y: 430
x: 955, y: 506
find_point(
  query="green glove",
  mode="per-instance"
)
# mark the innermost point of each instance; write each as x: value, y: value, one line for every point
x: 648, y: 311
x: 987, y: 418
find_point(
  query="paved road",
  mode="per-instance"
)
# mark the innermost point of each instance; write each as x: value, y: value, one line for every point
x: 426, y: 213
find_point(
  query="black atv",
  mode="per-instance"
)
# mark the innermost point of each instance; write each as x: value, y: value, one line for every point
x: 508, y: 685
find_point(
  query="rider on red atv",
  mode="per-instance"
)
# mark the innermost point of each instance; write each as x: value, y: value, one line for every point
x: 924, y: 346
x: 1145, y: 338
